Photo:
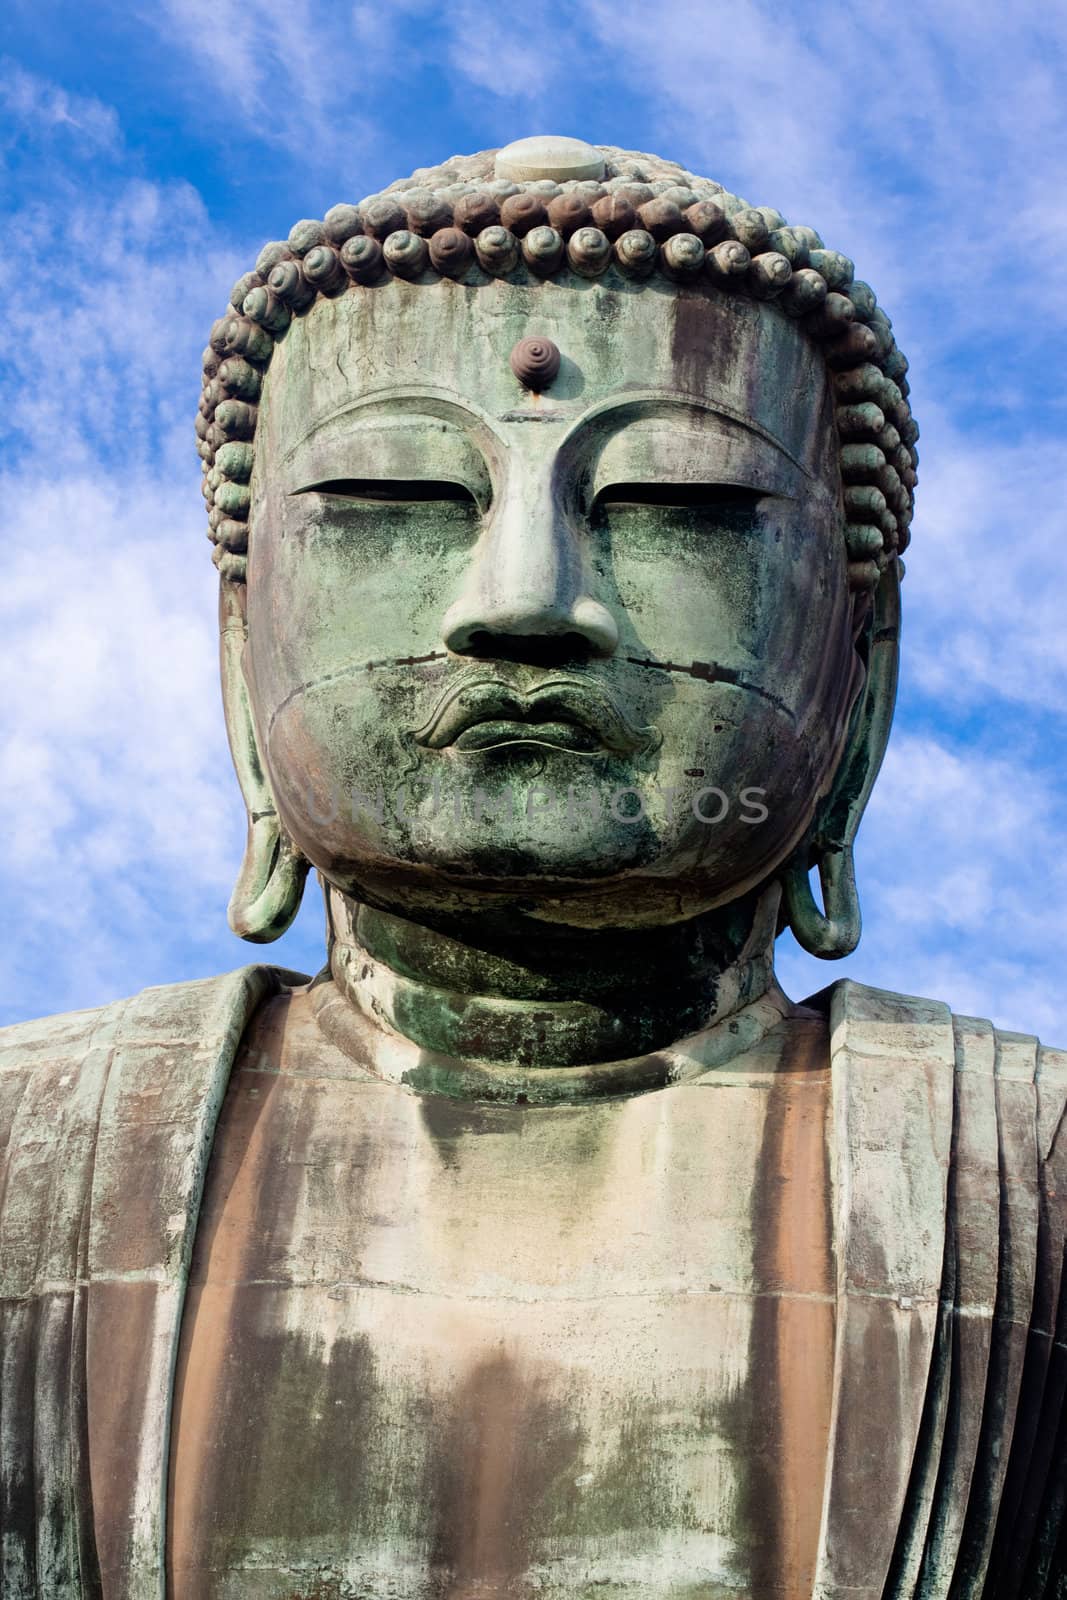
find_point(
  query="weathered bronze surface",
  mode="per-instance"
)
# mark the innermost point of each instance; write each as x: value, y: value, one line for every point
x: 541, y: 1246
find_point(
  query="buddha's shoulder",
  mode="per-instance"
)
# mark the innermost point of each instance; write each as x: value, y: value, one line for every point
x: 869, y: 1024
x: 202, y: 1013
x: 900, y: 1018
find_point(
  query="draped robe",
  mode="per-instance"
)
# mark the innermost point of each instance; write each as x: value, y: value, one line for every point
x: 945, y: 1470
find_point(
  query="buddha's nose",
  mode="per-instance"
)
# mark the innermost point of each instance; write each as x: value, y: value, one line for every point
x: 526, y: 595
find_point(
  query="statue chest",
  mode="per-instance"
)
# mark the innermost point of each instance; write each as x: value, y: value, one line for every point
x: 439, y: 1348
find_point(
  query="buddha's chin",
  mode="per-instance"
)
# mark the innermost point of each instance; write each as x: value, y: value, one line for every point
x: 625, y: 875
x: 560, y: 851
x: 629, y: 901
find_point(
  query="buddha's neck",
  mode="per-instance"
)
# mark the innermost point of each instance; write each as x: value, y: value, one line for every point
x: 514, y: 996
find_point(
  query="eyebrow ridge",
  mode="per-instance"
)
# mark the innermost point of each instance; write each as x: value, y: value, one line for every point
x: 674, y: 401
x: 385, y: 405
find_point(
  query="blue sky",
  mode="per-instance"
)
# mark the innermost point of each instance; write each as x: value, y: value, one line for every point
x: 147, y: 152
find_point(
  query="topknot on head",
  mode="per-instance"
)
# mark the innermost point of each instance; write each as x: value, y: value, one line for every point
x: 547, y: 156
x: 545, y: 206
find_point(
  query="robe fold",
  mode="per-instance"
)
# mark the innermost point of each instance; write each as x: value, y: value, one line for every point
x: 107, y: 1122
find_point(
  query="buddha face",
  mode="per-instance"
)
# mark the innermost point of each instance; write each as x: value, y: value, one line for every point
x: 586, y: 654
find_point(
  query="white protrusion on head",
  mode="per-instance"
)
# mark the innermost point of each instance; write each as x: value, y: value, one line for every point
x: 547, y: 156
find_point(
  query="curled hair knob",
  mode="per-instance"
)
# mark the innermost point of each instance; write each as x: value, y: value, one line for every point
x: 569, y: 212
x: 234, y: 419
x: 636, y: 252
x: 451, y: 252
x: 787, y: 244
x: 234, y: 499
x: 896, y: 365
x: 341, y: 223
x: 661, y: 218
x: 836, y: 268
x: 498, y: 250
x: 683, y: 257
x: 638, y: 194
x: 243, y: 288
x: 234, y: 461
x: 244, y: 338
x: 291, y: 287
x: 858, y: 344
x: 476, y: 211
x: 381, y: 216
x: 362, y: 259
x: 707, y: 221
x: 323, y: 270
x: 268, y: 258
x: 768, y: 275
x: 542, y: 250
x: 232, y: 535
x: 862, y: 296
x: 833, y: 318
x: 614, y: 215
x: 426, y: 213
x: 220, y: 335
x: 750, y: 227
x: 406, y: 254
x: 855, y: 421
x: 263, y: 306
x: 728, y: 261
x: 304, y: 236
x: 589, y: 252
x: 805, y: 291
x: 240, y: 380
x: 523, y: 211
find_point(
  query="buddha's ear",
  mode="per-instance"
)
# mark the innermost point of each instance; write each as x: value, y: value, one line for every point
x: 270, y: 885
x: 835, y: 931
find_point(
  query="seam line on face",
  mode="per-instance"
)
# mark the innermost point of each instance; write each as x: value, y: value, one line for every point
x: 706, y: 671
x: 350, y: 672
x: 714, y: 672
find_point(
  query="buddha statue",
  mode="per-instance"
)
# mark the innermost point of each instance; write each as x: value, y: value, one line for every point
x: 540, y: 1245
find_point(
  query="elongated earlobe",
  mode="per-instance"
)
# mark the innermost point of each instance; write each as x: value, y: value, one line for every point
x: 835, y: 931
x: 270, y: 885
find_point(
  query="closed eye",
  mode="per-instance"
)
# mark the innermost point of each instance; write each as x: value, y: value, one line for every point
x: 394, y: 491
x: 683, y: 496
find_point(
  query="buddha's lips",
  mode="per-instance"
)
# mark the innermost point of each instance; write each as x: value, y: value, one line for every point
x: 566, y: 712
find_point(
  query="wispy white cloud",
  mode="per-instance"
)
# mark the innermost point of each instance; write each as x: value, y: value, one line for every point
x: 35, y: 109
x: 291, y: 72
x: 122, y: 825
x: 103, y: 355
x: 986, y: 588
x: 112, y: 756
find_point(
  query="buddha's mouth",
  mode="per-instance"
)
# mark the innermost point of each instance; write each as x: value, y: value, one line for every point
x: 495, y: 733
x: 563, y: 713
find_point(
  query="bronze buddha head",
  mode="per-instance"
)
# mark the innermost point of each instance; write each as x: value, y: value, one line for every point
x: 558, y: 499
